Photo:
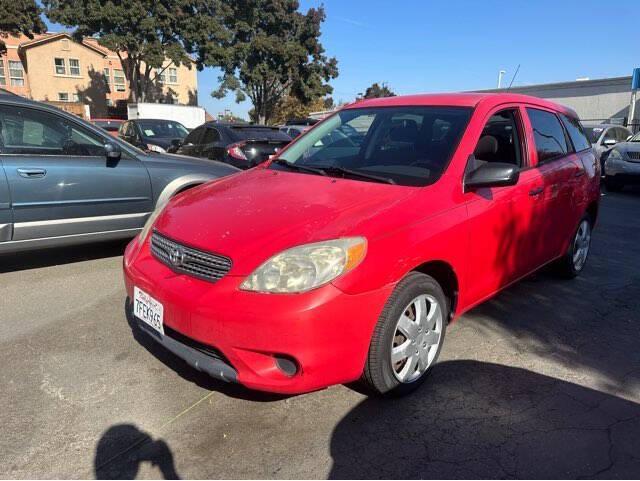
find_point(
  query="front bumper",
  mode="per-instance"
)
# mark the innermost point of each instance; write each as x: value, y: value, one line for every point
x: 614, y: 167
x: 325, y: 332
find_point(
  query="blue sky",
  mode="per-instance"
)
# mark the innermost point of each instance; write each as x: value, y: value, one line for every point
x: 427, y: 46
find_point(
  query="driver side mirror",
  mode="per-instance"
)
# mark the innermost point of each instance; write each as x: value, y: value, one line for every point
x: 112, y: 151
x: 609, y: 142
x: 492, y: 174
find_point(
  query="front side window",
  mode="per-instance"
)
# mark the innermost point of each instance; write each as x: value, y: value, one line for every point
x: 593, y: 133
x: 60, y: 65
x: 194, y: 136
x: 548, y: 135
x: 500, y: 139
x: 576, y: 133
x: 74, y: 67
x: 210, y: 136
x: 16, y: 73
x: 408, y: 146
x: 3, y: 79
x: 118, y: 80
x: 33, y: 132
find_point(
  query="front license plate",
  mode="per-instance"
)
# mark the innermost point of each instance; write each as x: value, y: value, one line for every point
x: 148, y: 310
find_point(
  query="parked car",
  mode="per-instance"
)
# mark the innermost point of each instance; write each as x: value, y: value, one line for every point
x: 622, y: 166
x: 604, y: 137
x: 307, y: 121
x: 65, y: 181
x: 344, y: 260
x: 241, y: 145
x: 110, y: 125
x: 294, y: 131
x: 156, y: 135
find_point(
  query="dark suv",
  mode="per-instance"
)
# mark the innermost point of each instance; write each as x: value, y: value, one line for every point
x: 241, y: 145
x: 64, y: 181
x: 156, y: 135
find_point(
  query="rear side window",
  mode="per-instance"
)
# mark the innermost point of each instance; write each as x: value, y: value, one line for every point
x: 257, y: 133
x: 549, y: 137
x: 194, y: 136
x: 576, y: 133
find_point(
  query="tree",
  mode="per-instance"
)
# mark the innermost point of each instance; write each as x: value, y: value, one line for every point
x: 147, y: 35
x: 275, y: 52
x: 377, y: 91
x: 19, y: 17
x: 291, y: 108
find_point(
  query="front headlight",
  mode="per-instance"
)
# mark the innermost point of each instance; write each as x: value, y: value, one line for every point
x: 149, y: 224
x: 308, y: 266
x: 156, y: 148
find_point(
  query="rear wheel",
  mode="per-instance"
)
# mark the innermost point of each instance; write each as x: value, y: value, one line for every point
x: 408, y: 336
x: 576, y: 257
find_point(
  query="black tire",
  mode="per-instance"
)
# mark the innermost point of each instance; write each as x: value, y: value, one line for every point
x: 612, y: 184
x: 378, y: 375
x: 565, y: 266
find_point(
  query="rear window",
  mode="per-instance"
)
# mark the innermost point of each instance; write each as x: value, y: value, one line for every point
x: 109, y: 126
x: 163, y: 129
x: 258, y: 133
x: 593, y: 133
x: 548, y: 135
x: 406, y: 145
x: 576, y: 133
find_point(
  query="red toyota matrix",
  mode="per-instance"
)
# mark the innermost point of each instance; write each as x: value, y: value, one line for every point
x: 346, y: 256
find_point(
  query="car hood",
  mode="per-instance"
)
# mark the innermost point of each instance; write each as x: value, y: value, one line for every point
x: 628, y: 147
x: 253, y: 215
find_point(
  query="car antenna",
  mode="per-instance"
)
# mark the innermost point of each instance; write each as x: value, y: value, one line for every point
x: 514, y: 77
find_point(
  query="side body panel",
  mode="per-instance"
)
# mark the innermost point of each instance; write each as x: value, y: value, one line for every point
x: 6, y: 217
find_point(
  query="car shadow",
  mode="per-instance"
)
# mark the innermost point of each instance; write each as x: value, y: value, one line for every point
x: 123, y: 448
x: 483, y: 420
x: 190, y: 374
x: 60, y: 255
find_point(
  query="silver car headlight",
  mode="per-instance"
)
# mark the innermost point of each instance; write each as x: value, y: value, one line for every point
x: 306, y: 267
x: 149, y: 224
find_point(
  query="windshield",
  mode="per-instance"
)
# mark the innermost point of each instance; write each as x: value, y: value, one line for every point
x: 166, y: 129
x: 593, y: 133
x: 402, y: 145
x: 635, y: 138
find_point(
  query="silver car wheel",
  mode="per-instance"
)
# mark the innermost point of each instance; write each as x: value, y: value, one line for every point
x: 417, y: 338
x: 581, y: 244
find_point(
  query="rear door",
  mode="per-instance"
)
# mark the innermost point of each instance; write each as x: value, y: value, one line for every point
x: 191, y: 145
x: 561, y: 170
x: 212, y: 145
x: 60, y: 180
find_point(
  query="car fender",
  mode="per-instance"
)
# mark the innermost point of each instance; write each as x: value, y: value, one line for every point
x: 181, y: 183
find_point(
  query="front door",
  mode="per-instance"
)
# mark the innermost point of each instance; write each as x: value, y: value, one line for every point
x: 503, y: 220
x: 6, y: 218
x: 60, y: 180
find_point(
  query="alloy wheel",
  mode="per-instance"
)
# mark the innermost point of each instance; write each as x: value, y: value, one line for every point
x: 581, y: 245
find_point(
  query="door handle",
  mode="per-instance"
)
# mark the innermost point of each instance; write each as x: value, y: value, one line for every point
x: 32, y: 173
x: 536, y: 191
x: 579, y: 173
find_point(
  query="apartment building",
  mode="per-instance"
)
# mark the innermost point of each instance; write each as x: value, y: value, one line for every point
x: 54, y: 67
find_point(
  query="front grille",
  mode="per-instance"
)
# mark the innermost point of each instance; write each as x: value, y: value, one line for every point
x: 634, y: 155
x: 187, y: 260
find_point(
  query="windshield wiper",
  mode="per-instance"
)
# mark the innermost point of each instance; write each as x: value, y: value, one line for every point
x: 301, y: 168
x: 355, y: 173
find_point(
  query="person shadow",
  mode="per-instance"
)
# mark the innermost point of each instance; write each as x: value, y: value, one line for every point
x: 123, y: 448
x: 483, y: 420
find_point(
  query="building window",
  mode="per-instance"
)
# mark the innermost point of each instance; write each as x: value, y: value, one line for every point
x: 173, y: 75
x: 118, y: 80
x: 107, y: 76
x: 3, y: 79
x: 75, y: 97
x: 160, y: 75
x: 63, y: 97
x: 61, y: 68
x: 74, y: 67
x: 65, y: 44
x: 16, y: 73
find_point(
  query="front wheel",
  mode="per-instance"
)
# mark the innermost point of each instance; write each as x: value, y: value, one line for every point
x: 576, y: 257
x: 408, y: 336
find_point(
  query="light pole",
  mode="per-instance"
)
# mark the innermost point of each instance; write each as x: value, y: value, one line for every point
x: 500, y: 75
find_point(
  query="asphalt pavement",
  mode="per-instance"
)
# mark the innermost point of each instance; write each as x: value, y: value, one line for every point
x: 542, y: 381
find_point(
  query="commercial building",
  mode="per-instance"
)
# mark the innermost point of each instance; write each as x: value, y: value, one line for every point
x: 53, y: 67
x: 598, y: 100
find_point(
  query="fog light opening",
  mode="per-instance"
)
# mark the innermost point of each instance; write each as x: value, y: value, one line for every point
x: 287, y: 365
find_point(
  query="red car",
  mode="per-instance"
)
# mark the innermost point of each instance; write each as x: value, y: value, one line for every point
x: 110, y: 125
x: 346, y: 256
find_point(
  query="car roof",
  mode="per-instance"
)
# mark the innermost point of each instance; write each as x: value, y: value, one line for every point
x: 465, y: 99
x: 603, y: 126
x: 153, y: 120
x: 238, y: 125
